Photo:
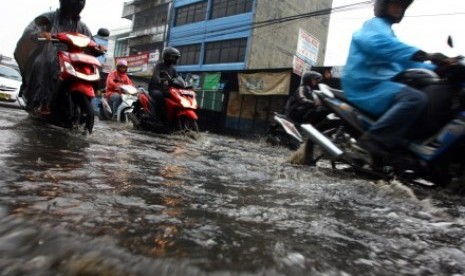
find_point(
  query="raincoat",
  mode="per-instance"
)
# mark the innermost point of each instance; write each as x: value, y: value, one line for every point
x: 115, y: 79
x: 37, y: 60
x: 376, y: 55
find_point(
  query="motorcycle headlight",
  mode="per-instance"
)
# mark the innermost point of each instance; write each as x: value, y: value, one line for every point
x: 69, y: 68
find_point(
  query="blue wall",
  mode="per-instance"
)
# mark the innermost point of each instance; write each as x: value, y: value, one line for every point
x: 231, y: 27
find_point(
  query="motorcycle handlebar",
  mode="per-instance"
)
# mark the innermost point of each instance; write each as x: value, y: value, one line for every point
x: 45, y: 39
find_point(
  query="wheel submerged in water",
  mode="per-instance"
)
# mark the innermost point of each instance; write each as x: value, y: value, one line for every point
x: 187, y: 124
x: 82, y: 113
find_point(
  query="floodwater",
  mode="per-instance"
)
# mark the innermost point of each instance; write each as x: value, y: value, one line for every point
x: 123, y: 202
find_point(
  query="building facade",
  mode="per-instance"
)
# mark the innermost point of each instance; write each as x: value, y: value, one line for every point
x: 238, y: 48
x: 148, y: 34
x: 225, y: 35
x: 232, y: 51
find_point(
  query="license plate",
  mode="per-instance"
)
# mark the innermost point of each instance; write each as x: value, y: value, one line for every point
x: 5, y: 97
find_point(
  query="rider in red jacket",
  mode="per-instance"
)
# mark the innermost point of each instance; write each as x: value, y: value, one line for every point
x: 114, y: 81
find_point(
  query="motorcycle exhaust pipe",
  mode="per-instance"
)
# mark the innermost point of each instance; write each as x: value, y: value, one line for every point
x: 323, y: 141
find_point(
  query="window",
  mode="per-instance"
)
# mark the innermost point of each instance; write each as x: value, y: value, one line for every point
x: 223, y: 8
x: 149, y: 18
x: 191, y: 14
x: 226, y: 51
x: 190, y: 54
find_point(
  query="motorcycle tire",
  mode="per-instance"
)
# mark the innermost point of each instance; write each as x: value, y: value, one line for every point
x: 188, y: 124
x: 82, y: 113
x: 279, y: 137
x: 104, y: 114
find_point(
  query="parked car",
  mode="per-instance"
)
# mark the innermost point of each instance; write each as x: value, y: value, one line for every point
x: 10, y: 82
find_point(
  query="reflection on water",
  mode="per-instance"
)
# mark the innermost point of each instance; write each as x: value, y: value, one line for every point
x: 122, y: 202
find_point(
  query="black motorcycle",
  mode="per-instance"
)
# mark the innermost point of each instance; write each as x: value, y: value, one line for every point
x: 436, y: 151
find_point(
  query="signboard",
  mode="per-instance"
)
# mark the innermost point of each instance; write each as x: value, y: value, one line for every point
x: 136, y: 63
x: 265, y: 83
x: 155, y: 56
x: 307, y: 47
x: 212, y: 81
x: 299, y: 66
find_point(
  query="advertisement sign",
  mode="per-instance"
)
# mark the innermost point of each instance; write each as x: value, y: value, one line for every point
x: 299, y: 66
x: 155, y: 56
x: 265, y: 83
x: 212, y: 81
x: 136, y: 63
x: 307, y: 47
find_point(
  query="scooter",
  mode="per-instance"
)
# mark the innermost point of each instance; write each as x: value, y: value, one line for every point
x: 436, y: 149
x: 71, y: 105
x: 128, y: 95
x: 181, y: 105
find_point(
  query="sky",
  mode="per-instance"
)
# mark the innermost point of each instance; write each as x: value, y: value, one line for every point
x: 426, y: 24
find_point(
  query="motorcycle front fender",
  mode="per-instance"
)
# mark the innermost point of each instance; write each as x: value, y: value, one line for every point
x: 189, y: 113
x: 122, y: 107
x: 84, y: 88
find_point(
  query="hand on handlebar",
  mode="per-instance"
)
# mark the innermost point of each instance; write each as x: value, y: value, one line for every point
x: 101, y: 48
x: 46, y: 35
x: 440, y: 59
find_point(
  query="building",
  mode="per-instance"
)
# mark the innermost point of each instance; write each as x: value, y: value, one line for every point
x: 243, y: 57
x: 235, y: 49
x: 148, y: 34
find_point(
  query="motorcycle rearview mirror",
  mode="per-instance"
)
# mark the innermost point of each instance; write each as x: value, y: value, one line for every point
x: 450, y: 42
x: 103, y: 32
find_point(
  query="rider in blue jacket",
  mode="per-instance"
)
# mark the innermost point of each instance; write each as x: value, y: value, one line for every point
x: 376, y: 55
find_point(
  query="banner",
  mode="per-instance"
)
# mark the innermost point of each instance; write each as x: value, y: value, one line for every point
x: 211, y: 81
x: 265, y: 83
x: 136, y: 63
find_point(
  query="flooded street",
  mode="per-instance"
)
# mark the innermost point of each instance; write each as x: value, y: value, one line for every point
x: 124, y: 202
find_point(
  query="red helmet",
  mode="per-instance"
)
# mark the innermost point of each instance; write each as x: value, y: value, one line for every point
x: 380, y: 8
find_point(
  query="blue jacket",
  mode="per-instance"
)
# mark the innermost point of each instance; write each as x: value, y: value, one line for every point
x: 376, y: 55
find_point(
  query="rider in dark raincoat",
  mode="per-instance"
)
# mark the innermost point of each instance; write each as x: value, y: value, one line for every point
x: 38, y: 61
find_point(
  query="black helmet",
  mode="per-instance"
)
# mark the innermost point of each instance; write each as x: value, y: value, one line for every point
x: 307, y: 76
x: 72, y: 7
x: 103, y: 32
x: 380, y: 8
x: 170, y: 55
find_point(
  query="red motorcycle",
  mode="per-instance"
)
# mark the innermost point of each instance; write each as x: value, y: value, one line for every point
x: 180, y: 107
x: 71, y: 105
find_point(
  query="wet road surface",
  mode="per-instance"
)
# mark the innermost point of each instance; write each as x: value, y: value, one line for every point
x: 124, y: 202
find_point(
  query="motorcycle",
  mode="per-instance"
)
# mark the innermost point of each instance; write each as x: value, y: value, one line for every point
x: 180, y: 107
x: 71, y: 105
x: 128, y: 95
x: 436, y: 148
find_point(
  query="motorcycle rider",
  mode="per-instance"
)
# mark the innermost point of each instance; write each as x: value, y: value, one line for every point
x: 376, y: 55
x: 115, y: 80
x: 37, y: 61
x: 300, y: 106
x: 163, y: 74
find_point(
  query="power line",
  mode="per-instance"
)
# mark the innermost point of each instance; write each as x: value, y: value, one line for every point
x: 223, y: 29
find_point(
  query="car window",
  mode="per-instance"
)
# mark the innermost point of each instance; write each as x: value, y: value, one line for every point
x: 10, y: 73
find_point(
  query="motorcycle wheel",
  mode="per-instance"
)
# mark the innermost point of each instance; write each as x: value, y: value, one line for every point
x: 187, y: 124
x: 278, y: 137
x: 82, y: 113
x: 104, y: 114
